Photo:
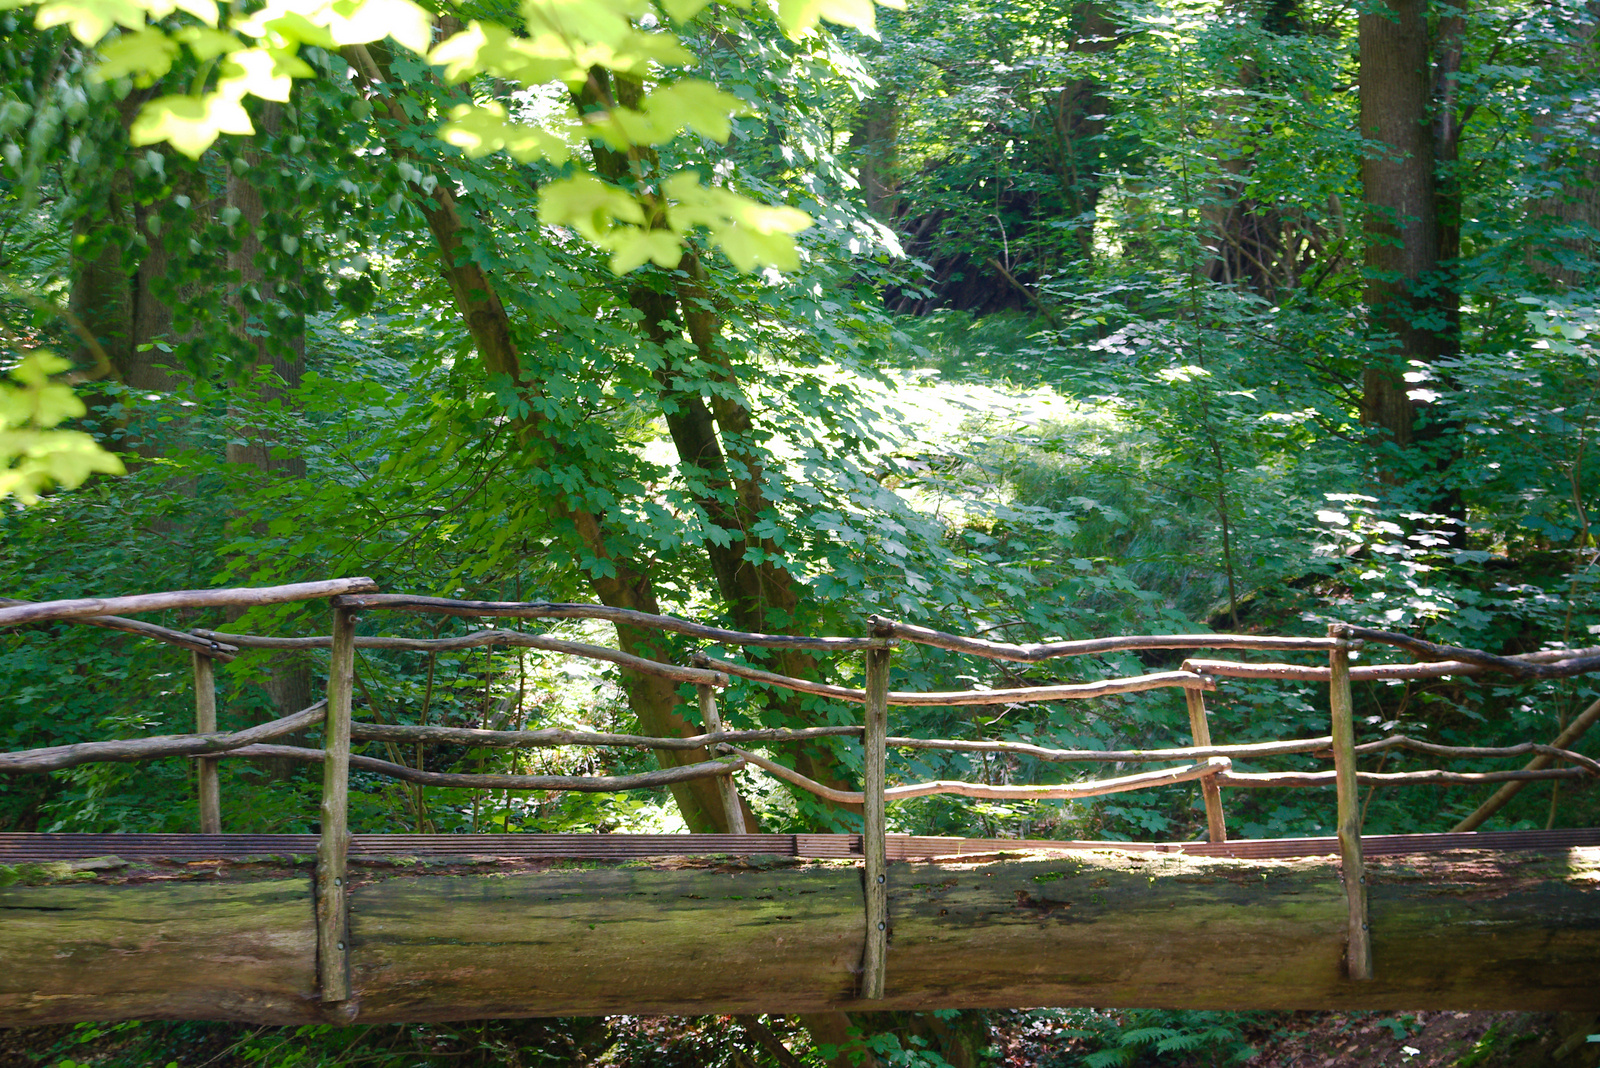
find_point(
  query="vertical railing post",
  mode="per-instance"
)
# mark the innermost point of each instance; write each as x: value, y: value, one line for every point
x: 732, y: 807
x: 333, y: 969
x: 1216, y: 825
x: 205, y: 722
x: 1358, y: 957
x: 874, y: 840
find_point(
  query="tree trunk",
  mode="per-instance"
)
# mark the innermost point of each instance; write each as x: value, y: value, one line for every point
x: 277, y: 344
x: 653, y: 700
x: 1467, y: 930
x: 1574, y: 209
x: 876, y: 143
x: 1405, y: 293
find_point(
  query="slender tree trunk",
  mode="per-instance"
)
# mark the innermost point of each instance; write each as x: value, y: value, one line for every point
x: 274, y: 335
x: 876, y: 143
x: 1408, y: 291
x: 1574, y: 209
x: 653, y: 700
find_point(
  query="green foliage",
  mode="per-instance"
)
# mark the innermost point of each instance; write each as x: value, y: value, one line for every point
x: 1149, y: 1036
x: 34, y: 455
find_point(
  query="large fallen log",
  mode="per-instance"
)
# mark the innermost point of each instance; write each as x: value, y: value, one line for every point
x: 456, y: 940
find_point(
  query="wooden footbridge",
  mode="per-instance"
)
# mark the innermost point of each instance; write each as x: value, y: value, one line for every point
x: 296, y: 928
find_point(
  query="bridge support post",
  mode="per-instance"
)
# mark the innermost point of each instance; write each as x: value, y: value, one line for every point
x: 205, y: 722
x: 1216, y: 824
x: 1358, y: 957
x: 333, y: 964
x: 874, y: 839
x: 732, y: 807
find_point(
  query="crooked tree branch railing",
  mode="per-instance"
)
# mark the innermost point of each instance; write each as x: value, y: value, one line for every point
x: 1212, y: 763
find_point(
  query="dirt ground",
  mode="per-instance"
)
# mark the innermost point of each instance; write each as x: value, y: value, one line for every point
x: 1433, y: 1040
x: 1281, y: 1040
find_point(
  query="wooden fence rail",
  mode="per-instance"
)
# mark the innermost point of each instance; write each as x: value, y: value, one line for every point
x: 1209, y: 764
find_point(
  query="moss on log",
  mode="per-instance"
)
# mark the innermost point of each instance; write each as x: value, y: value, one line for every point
x: 476, y: 938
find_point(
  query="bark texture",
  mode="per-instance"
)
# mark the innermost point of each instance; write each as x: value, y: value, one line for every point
x: 1466, y: 930
x: 1405, y: 294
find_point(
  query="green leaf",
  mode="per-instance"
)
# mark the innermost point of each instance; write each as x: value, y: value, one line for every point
x: 144, y: 55
x: 587, y: 205
x: 191, y: 124
x: 480, y: 129
x: 207, y: 43
x: 363, y: 21
x: 90, y: 20
x: 267, y: 73
x: 692, y: 104
x: 750, y: 233
x: 799, y: 17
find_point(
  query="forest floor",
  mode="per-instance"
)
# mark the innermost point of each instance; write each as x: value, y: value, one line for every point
x: 1430, y: 1040
x: 1371, y: 1040
x: 1281, y: 1040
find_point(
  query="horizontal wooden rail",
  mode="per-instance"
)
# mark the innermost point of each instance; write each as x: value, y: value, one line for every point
x: 1119, y: 756
x: 1467, y: 752
x: 1090, y: 788
x: 480, y: 638
x: 1073, y: 691
x: 1516, y: 667
x: 558, y: 736
x: 623, y: 616
x: 1373, y: 672
x: 602, y: 784
x: 1035, y: 652
x: 57, y: 757
x: 211, y: 647
x: 242, y: 597
x: 1274, y: 779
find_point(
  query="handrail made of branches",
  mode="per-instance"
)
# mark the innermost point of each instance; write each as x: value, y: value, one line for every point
x: 1033, y: 653
x: 606, y: 784
x: 1091, y: 788
x: 621, y: 616
x: 481, y: 638
x: 1516, y: 667
x: 1549, y: 665
x: 238, y: 597
x: 56, y: 757
x: 206, y: 645
x: 1071, y: 691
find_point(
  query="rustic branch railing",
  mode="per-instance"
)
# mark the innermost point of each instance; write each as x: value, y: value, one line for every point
x: 1210, y: 764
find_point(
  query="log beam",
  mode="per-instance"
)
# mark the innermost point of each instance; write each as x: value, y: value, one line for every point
x: 428, y: 941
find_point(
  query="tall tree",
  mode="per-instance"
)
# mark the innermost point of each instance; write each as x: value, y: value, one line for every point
x: 1407, y: 291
